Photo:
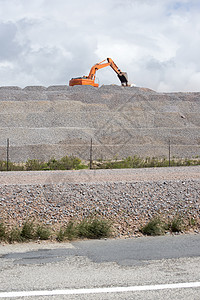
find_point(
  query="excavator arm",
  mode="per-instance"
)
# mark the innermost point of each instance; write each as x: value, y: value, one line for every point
x: 89, y: 80
x: 97, y: 67
x: 123, y: 77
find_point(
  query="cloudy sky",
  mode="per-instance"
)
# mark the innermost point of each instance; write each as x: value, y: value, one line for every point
x: 47, y: 42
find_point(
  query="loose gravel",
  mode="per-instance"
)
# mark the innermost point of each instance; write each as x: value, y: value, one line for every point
x: 129, y: 197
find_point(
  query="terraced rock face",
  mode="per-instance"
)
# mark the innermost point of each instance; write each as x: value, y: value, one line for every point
x: 61, y: 120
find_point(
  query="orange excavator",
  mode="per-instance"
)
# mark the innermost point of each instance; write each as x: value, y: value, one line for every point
x: 90, y: 79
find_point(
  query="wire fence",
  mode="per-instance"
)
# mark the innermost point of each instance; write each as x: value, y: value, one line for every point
x: 87, y: 158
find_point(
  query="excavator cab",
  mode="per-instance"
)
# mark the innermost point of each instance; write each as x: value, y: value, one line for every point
x: 90, y: 79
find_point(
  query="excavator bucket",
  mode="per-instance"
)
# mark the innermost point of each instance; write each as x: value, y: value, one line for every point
x: 123, y: 77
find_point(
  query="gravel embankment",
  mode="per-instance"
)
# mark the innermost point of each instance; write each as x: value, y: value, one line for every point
x: 127, y: 197
x: 42, y: 123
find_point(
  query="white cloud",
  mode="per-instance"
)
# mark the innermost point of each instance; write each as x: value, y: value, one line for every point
x: 47, y: 42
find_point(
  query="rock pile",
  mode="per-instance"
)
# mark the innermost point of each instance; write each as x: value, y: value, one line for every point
x: 127, y: 204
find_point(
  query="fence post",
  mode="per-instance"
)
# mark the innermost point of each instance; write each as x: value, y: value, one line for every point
x: 7, y: 156
x: 91, y: 155
x: 169, y: 153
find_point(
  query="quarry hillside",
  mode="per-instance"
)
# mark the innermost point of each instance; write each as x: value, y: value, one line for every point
x: 56, y: 121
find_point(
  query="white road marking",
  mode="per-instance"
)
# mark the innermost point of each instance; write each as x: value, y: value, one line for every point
x: 101, y: 290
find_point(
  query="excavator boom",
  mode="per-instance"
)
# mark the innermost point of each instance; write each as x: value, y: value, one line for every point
x: 90, y: 79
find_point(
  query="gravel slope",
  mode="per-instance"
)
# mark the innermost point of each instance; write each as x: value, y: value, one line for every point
x: 42, y: 123
x: 127, y: 197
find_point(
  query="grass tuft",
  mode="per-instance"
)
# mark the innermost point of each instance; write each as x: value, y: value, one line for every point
x: 88, y: 228
x: 28, y: 232
x: 60, y: 235
x: 71, y: 231
x: 15, y: 236
x: 43, y: 233
x: 94, y: 229
x: 176, y: 225
x: 192, y: 222
x: 154, y: 227
x: 2, y: 232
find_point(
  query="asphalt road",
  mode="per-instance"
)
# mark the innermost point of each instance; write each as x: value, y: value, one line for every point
x: 142, y: 268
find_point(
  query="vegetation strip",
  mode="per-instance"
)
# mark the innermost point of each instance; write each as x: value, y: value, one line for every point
x: 74, y: 163
x: 90, y: 229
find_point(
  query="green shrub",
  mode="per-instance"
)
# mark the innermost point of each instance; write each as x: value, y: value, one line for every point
x: 43, y: 233
x: 89, y: 228
x: 28, y: 232
x: 60, y: 235
x: 2, y: 232
x: 33, y: 165
x: 65, y: 163
x: 70, y: 231
x: 53, y: 164
x: 148, y: 162
x: 70, y: 162
x: 2, y: 165
x: 15, y: 235
x: 192, y: 222
x: 94, y: 229
x: 11, y: 166
x: 176, y: 225
x: 154, y: 227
